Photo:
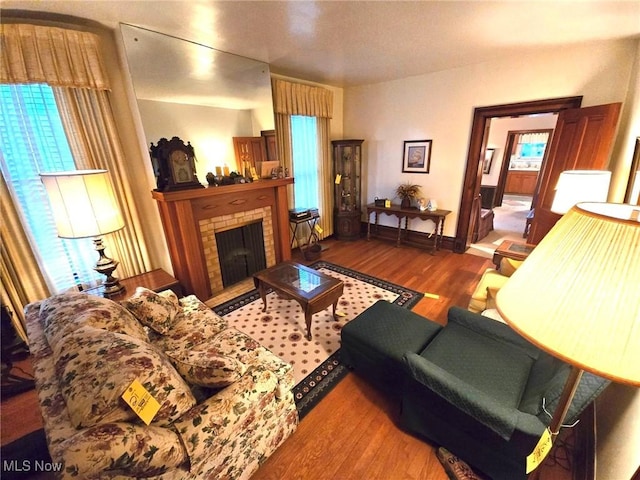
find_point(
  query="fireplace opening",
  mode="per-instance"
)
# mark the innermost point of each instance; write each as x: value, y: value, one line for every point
x: 241, y: 252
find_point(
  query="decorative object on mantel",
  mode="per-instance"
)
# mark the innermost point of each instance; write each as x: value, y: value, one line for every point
x: 174, y: 165
x: 83, y: 205
x: 417, y: 156
x: 407, y: 192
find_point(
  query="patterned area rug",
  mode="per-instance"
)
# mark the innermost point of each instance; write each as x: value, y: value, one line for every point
x: 282, y: 330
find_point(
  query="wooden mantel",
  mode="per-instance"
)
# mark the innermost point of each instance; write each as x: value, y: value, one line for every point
x: 182, y: 210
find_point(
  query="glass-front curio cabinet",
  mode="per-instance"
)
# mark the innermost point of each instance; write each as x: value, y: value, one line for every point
x: 347, y: 166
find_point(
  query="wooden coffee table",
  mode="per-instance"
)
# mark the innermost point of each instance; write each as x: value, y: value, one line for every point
x: 314, y: 291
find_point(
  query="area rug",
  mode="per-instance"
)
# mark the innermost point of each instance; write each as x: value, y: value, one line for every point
x: 316, y: 363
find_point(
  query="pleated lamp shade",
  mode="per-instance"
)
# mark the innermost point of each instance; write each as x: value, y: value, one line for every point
x: 83, y: 203
x: 577, y: 295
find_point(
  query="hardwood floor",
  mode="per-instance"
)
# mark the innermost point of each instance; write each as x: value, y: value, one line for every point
x: 353, y: 433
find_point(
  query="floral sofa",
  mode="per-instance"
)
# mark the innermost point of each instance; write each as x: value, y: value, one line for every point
x: 225, y: 401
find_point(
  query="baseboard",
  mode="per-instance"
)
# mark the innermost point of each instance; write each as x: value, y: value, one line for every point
x: 418, y: 239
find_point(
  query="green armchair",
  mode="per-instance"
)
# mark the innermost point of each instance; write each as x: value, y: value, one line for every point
x: 478, y: 390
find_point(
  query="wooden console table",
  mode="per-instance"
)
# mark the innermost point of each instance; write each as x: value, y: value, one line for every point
x: 436, y: 216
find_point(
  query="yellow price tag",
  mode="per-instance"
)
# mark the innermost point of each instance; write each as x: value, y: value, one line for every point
x: 338, y: 179
x: 535, y: 458
x: 141, y: 401
x: 318, y: 228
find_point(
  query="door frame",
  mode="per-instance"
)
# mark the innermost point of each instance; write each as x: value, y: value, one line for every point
x: 481, y: 121
x: 506, y: 159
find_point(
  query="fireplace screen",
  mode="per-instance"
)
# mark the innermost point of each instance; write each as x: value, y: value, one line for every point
x: 241, y: 252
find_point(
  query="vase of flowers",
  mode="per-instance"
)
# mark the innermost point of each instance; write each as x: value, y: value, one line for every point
x: 407, y: 192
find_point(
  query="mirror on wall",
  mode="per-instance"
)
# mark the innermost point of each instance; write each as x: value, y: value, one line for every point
x: 200, y: 94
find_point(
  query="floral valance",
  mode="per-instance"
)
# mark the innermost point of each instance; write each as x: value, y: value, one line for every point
x: 299, y: 99
x: 56, y: 56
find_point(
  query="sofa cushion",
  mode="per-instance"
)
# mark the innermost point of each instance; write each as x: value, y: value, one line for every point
x: 206, y: 366
x: 193, y: 324
x: 156, y: 311
x: 62, y: 314
x: 94, y: 367
x: 140, y: 451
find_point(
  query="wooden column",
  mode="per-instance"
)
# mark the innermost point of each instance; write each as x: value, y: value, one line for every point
x: 182, y: 210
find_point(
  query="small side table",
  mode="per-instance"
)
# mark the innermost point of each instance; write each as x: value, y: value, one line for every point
x: 513, y: 250
x: 311, y: 221
x: 156, y: 280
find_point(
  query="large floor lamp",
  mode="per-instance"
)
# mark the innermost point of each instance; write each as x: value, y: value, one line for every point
x: 577, y: 296
x: 84, y: 205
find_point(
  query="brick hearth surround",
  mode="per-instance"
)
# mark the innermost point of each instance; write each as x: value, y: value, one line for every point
x: 185, y: 213
x: 210, y: 226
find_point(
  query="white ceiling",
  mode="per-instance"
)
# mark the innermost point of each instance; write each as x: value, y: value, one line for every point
x: 346, y: 43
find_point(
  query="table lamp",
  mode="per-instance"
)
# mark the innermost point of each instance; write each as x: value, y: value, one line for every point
x: 84, y: 205
x: 580, y: 186
x: 577, y: 296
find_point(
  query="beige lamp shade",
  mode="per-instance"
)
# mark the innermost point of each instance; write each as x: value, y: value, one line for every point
x: 580, y: 186
x: 577, y: 295
x: 83, y: 203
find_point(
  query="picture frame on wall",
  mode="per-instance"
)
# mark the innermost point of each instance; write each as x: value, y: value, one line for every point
x: 488, y: 160
x: 416, y: 156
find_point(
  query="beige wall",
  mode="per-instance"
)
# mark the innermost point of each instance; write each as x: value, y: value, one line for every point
x: 439, y: 106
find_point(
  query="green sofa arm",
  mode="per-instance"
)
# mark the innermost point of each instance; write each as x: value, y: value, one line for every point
x: 475, y: 403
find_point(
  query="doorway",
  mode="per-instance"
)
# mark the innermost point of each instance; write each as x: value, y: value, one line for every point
x: 478, y: 143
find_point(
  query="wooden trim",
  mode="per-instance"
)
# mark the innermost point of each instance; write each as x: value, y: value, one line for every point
x: 181, y: 212
x: 481, y: 120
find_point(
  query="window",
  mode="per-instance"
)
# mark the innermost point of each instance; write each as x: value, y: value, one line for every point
x: 304, y: 142
x: 32, y: 140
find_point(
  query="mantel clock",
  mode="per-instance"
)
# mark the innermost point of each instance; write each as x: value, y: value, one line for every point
x: 174, y: 165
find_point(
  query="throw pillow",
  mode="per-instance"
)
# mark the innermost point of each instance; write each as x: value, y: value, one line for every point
x: 64, y: 313
x: 94, y: 368
x: 206, y: 366
x: 153, y: 310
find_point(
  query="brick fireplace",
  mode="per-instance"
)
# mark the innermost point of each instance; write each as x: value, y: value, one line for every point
x: 191, y: 217
x: 210, y: 226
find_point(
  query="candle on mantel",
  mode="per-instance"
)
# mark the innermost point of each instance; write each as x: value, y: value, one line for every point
x: 225, y: 169
x: 219, y: 171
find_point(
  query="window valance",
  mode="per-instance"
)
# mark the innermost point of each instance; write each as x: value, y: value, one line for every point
x: 56, y: 56
x: 299, y: 99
